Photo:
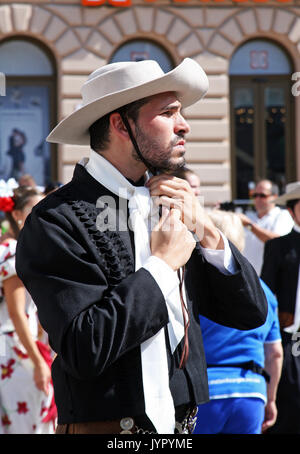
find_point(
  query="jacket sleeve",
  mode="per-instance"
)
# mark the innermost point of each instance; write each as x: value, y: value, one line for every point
x: 270, y: 265
x: 90, y: 324
x: 236, y: 300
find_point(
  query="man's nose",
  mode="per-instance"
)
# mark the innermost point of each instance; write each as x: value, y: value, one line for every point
x: 182, y: 125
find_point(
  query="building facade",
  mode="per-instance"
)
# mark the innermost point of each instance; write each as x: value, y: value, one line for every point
x: 244, y: 129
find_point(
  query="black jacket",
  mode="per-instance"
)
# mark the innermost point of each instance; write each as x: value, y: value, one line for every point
x: 281, y: 268
x: 97, y: 310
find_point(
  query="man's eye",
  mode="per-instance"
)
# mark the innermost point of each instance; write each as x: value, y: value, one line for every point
x: 168, y: 113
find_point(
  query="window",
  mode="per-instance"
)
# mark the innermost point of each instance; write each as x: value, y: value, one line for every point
x: 261, y: 116
x: 143, y: 50
x: 26, y: 111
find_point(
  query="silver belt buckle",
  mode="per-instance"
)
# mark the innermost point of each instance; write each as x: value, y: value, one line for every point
x: 187, y: 426
x: 126, y: 425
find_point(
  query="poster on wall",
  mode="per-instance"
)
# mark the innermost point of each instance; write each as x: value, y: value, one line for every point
x: 24, y: 125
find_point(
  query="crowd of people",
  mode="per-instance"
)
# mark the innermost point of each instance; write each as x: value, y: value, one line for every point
x: 269, y: 237
x: 147, y: 306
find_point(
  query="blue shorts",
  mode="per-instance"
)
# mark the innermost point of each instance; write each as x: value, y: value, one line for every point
x: 234, y: 415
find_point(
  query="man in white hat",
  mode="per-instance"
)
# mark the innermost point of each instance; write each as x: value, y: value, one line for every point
x: 120, y: 295
x: 281, y: 272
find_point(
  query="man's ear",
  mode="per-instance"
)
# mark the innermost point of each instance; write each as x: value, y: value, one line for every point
x: 291, y: 212
x: 117, y: 126
x: 16, y: 215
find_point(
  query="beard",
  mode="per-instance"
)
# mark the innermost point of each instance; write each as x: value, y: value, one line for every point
x: 151, y: 150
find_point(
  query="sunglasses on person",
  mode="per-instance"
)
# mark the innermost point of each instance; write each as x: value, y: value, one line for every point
x: 261, y: 195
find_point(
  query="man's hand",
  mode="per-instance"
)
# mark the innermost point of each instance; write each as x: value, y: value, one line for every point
x: 173, y: 192
x: 171, y: 241
x: 245, y: 220
x: 42, y: 376
x: 270, y: 416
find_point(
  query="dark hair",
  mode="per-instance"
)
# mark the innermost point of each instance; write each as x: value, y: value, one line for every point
x: 52, y: 186
x: 99, y: 130
x: 21, y: 197
x: 291, y: 204
x: 183, y: 172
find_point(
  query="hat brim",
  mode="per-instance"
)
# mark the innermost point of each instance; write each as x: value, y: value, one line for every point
x: 188, y: 80
x: 284, y: 198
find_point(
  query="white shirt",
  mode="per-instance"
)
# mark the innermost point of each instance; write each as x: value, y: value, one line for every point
x: 277, y: 221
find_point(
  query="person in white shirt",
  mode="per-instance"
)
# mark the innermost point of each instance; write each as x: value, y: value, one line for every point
x: 268, y: 221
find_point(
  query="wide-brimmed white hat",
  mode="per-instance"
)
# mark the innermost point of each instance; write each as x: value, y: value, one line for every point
x: 292, y: 192
x: 117, y: 84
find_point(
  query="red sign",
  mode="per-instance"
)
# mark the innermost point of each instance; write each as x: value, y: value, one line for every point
x: 128, y: 2
x: 109, y: 2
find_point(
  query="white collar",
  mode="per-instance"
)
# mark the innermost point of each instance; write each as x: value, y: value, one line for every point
x: 296, y: 227
x: 106, y: 174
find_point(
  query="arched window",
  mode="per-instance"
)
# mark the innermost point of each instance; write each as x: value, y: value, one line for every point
x: 140, y: 49
x: 261, y: 116
x: 26, y: 111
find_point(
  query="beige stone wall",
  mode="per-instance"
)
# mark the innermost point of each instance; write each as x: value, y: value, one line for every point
x: 83, y: 38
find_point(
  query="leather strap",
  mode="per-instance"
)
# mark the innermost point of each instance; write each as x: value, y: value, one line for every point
x: 93, y: 427
x: 186, y: 320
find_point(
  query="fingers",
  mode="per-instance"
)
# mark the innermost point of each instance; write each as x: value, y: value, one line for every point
x: 46, y: 389
x: 164, y: 215
x: 42, y: 379
x: 170, y: 220
x: 43, y: 386
x: 156, y: 182
x: 166, y: 190
x: 176, y: 214
x: 168, y: 202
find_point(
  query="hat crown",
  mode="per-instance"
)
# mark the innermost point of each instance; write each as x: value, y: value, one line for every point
x: 119, y: 76
x: 291, y: 187
x: 118, y: 84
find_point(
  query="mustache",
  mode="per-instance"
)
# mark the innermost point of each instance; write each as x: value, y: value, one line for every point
x: 177, y: 139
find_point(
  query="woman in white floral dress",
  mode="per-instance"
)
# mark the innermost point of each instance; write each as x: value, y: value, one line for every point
x: 26, y: 392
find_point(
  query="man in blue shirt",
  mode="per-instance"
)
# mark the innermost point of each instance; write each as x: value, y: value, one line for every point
x: 241, y: 399
x: 244, y: 367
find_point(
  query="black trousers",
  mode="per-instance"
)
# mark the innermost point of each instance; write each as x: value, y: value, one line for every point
x: 288, y: 393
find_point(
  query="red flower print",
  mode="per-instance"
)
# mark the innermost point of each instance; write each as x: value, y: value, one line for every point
x: 5, y: 420
x: 20, y: 353
x: 3, y: 271
x: 7, y: 370
x: 22, y: 407
x: 7, y: 256
x: 6, y: 204
x: 43, y: 408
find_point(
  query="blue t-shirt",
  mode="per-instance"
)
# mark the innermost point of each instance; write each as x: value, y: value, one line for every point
x: 228, y: 345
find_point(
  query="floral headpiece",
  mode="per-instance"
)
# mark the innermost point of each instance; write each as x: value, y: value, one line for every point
x: 7, y: 201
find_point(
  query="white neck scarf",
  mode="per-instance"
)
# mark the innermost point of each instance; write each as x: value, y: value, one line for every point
x: 159, y: 405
